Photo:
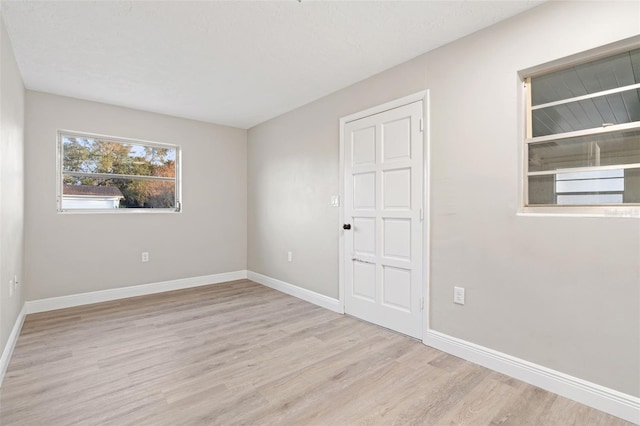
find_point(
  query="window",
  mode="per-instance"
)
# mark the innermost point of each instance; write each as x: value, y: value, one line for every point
x: 105, y: 174
x: 582, y: 142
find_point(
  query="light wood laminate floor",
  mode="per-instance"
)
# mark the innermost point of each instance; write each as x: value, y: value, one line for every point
x: 241, y: 353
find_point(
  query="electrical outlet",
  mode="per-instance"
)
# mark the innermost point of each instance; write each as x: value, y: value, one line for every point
x: 289, y: 256
x: 458, y: 295
x: 145, y: 256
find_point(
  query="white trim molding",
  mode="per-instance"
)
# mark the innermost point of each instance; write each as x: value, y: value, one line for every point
x: 72, y: 300
x: 619, y: 404
x: 11, y: 342
x: 299, y: 292
x: 396, y: 103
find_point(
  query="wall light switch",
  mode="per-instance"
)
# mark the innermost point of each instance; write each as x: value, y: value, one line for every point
x: 289, y: 256
x: 458, y: 295
x: 335, y: 201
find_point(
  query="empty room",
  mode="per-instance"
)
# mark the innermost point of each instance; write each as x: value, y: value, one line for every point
x: 320, y: 212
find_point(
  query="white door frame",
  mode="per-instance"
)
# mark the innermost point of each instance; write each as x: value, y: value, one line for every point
x: 426, y: 205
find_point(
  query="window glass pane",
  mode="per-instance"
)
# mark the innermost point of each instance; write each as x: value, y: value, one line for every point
x: 107, y: 174
x: 586, y: 151
x: 616, y: 108
x: 542, y: 190
x: 620, y: 186
x: 101, y: 194
x: 599, y: 168
x: 88, y: 155
x: 592, y: 77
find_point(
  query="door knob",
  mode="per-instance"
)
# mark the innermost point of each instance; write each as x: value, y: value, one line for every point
x: 346, y: 226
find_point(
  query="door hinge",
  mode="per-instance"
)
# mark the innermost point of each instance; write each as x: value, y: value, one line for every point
x: 421, y: 214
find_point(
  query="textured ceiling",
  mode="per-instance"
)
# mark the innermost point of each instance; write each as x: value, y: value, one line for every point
x: 232, y: 62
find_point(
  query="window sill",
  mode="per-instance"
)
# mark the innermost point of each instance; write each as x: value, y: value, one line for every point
x: 118, y: 211
x: 632, y: 212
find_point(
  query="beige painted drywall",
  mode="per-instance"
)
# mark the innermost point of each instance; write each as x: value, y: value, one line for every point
x: 11, y: 185
x: 78, y: 253
x: 562, y: 292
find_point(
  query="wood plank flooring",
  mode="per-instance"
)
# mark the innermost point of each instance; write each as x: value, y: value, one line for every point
x: 241, y: 353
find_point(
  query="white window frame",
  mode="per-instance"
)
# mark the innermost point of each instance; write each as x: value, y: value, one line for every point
x: 60, y: 173
x: 627, y: 211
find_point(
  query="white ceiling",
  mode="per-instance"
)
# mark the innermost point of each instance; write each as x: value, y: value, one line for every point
x: 237, y: 63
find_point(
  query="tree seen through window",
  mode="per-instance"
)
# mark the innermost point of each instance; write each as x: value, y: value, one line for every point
x: 144, y: 174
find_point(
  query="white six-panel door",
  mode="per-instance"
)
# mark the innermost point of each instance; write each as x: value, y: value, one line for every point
x: 383, y: 177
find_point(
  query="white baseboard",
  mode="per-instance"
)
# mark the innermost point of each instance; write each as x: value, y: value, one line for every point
x: 299, y: 292
x: 619, y: 404
x: 608, y: 400
x: 11, y: 342
x: 43, y: 305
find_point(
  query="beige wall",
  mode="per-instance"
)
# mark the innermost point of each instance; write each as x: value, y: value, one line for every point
x: 11, y: 185
x: 562, y: 292
x: 78, y: 253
